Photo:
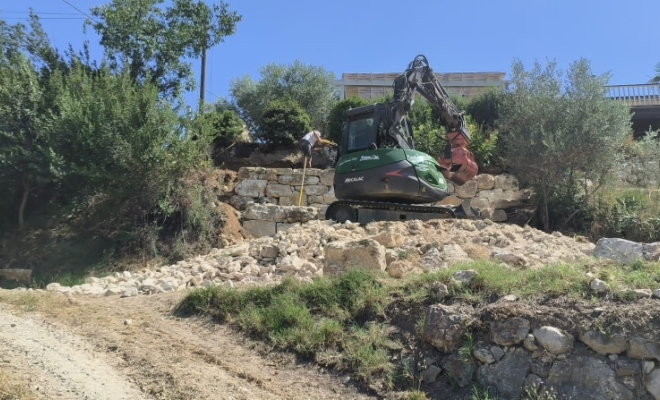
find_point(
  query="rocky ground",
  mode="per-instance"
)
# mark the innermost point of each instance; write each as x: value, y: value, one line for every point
x: 322, y: 247
x: 119, y: 331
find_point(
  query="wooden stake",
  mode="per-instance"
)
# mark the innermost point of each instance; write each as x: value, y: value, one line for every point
x: 302, y: 184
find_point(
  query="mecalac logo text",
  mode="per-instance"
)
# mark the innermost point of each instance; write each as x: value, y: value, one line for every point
x: 358, y: 179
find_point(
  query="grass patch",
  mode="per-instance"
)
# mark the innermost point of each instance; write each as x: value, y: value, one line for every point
x: 496, y: 280
x: 341, y: 322
x: 329, y: 319
x: 11, y: 389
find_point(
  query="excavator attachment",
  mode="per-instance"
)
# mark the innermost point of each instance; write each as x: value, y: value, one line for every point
x: 457, y: 162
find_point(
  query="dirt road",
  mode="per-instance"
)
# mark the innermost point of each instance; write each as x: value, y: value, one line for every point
x: 133, y: 348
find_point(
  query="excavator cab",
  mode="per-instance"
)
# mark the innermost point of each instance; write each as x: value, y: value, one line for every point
x: 366, y: 129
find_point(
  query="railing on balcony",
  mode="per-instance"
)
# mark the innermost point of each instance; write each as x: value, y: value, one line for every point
x: 636, y: 95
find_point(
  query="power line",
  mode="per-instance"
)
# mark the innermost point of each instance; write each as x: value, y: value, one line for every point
x: 37, y: 13
x: 40, y: 18
x: 77, y: 9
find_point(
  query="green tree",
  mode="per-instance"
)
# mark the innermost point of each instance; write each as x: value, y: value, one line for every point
x: 28, y: 154
x: 485, y: 108
x: 284, y: 121
x: 338, y: 114
x: 656, y: 78
x: 221, y: 127
x: 561, y: 133
x: 152, y: 41
x: 310, y: 86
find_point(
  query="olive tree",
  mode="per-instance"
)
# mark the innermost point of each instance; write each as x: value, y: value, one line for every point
x: 563, y: 134
x: 308, y: 85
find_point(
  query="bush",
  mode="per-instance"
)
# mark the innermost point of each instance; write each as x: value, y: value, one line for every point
x: 628, y: 214
x: 485, y: 108
x: 284, y: 122
x: 221, y: 127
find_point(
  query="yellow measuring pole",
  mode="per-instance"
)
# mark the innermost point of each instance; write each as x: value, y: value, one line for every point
x: 302, y: 184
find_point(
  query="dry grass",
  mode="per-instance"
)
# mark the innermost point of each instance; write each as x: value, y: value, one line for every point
x: 47, y: 303
x: 12, y: 389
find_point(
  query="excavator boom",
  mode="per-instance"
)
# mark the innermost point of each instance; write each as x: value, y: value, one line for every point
x: 457, y: 161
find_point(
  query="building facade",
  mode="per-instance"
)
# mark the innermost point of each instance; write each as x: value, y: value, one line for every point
x: 372, y: 85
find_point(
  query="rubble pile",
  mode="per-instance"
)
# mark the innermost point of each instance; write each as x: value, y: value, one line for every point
x: 318, y: 248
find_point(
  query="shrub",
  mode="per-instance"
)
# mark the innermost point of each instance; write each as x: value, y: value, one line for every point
x: 284, y: 122
x: 485, y: 108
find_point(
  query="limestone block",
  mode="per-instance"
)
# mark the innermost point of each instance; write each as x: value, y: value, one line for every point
x: 277, y: 190
x: 450, y: 201
x: 260, y: 228
x: 480, y: 203
x: 264, y: 212
x: 312, y: 190
x: 293, y: 200
x: 283, y: 226
x: 269, y: 176
x: 250, y: 172
x: 301, y: 214
x: 485, y: 181
x: 327, y: 177
x: 308, y: 171
x: 468, y: 190
x: 315, y: 199
x: 240, y: 202
x: 506, y: 182
x: 252, y: 188
x: 295, y: 179
x: 365, y: 253
x: 500, y: 198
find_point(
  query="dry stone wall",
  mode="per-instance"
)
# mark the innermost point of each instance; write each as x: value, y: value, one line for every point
x: 280, y: 188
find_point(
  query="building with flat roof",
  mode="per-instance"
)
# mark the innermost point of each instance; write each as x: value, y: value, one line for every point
x: 375, y: 85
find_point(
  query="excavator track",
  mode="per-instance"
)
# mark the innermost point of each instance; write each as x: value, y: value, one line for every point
x: 344, y: 210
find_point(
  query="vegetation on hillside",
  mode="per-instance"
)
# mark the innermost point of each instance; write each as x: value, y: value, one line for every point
x: 96, y: 158
x: 350, y: 323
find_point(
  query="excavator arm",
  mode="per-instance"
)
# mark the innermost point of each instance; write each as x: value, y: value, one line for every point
x: 457, y: 162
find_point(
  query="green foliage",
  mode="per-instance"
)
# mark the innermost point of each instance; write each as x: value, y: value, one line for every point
x: 656, y: 78
x: 314, y: 319
x: 559, y: 131
x: 338, y: 115
x: 29, y: 158
x: 430, y: 136
x: 308, y: 85
x: 89, y: 149
x: 221, y: 127
x: 150, y: 41
x: 283, y: 122
x: 629, y: 214
x: 485, y: 108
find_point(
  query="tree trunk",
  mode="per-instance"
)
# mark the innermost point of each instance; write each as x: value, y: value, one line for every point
x: 21, y: 209
x: 545, y: 212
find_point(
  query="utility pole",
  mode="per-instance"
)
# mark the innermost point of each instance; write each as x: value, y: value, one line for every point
x: 202, y: 87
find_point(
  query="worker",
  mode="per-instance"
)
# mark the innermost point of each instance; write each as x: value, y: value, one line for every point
x: 306, y: 143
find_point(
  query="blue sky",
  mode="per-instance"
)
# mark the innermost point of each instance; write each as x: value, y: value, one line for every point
x: 385, y: 35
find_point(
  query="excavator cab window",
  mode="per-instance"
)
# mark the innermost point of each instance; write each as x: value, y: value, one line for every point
x: 360, y: 134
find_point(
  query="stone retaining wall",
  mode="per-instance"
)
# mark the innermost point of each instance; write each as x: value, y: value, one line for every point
x: 491, y: 194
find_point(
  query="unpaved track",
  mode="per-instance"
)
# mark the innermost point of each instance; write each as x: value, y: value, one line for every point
x: 143, y: 352
x: 57, y: 364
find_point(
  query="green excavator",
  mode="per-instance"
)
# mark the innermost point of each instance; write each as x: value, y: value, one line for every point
x: 379, y: 176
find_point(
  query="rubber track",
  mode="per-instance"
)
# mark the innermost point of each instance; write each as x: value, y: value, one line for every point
x: 392, y: 207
